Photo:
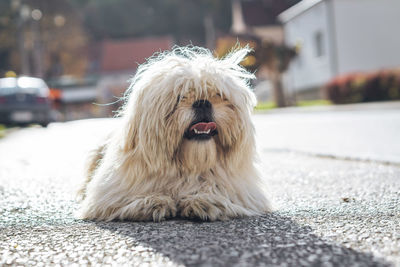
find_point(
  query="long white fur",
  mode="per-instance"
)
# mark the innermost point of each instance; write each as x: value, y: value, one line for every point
x: 147, y: 171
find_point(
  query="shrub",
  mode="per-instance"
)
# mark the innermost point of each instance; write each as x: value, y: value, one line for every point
x: 364, y: 87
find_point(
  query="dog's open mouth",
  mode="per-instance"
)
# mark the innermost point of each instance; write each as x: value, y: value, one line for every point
x: 201, y: 130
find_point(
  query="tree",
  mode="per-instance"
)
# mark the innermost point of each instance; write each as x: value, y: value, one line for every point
x: 55, y: 31
x: 7, y: 35
x: 275, y: 58
x: 183, y: 19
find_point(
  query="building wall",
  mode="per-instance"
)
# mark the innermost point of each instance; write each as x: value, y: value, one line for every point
x: 312, y: 67
x: 367, y: 34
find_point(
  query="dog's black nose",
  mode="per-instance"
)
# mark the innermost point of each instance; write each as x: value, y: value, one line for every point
x: 202, y: 103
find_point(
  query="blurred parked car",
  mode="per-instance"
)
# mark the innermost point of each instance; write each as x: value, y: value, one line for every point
x: 24, y: 100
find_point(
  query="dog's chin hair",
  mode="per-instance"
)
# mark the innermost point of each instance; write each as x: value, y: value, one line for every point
x: 197, y: 156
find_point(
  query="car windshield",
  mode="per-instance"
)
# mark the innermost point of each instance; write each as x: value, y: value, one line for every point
x: 15, y: 90
x: 24, y: 85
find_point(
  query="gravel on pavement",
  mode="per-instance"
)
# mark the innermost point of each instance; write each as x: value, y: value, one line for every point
x: 328, y: 212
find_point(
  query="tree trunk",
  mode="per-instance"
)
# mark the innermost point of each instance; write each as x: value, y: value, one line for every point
x: 25, y: 69
x: 279, y: 95
x: 209, y: 31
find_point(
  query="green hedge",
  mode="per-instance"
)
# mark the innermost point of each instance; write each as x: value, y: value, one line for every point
x: 364, y: 87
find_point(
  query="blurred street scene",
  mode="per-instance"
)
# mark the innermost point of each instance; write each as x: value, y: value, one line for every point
x: 305, y: 52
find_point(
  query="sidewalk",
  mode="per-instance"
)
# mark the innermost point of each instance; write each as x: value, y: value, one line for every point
x: 360, y: 131
x: 384, y: 105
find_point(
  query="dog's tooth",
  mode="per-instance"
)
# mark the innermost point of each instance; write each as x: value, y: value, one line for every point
x: 201, y: 132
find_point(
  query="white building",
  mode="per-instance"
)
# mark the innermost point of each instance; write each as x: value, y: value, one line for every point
x: 335, y: 37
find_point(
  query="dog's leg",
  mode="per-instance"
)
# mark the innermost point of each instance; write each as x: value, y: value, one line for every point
x: 154, y: 207
x: 91, y: 165
x: 201, y: 207
x: 210, y: 207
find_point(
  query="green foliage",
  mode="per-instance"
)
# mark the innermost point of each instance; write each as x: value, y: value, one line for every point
x: 364, y: 87
x: 7, y: 34
x: 53, y: 39
x: 317, y: 102
x: 267, y: 105
x: 2, y: 130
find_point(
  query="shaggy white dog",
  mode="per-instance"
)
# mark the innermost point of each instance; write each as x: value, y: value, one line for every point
x: 185, y: 146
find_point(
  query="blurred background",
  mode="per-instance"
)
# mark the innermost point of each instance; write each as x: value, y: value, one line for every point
x: 310, y: 52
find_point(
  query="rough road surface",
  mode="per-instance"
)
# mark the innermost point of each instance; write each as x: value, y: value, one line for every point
x: 329, y: 212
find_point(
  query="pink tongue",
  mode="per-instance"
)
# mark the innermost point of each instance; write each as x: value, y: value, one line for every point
x: 204, y: 126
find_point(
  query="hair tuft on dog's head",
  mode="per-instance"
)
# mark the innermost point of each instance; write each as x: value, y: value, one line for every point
x: 192, y: 66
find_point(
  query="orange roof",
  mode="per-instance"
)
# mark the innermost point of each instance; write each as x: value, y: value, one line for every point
x: 117, y: 55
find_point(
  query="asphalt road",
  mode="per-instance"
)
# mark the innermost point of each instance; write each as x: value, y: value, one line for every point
x: 328, y: 211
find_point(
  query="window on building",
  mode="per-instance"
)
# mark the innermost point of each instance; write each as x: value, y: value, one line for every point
x: 319, y: 44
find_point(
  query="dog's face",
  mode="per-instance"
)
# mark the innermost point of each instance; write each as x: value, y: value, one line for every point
x: 206, y: 126
x: 190, y: 114
x: 203, y: 112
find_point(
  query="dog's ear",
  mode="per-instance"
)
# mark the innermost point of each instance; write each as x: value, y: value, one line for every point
x: 143, y: 125
x: 130, y: 122
x: 232, y: 62
x: 130, y: 135
x: 237, y: 55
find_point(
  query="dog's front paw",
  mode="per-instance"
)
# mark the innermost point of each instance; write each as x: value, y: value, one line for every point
x: 201, y: 208
x: 149, y: 208
x: 158, y: 208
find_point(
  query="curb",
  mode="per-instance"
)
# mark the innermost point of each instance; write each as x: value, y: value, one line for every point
x: 334, y: 108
